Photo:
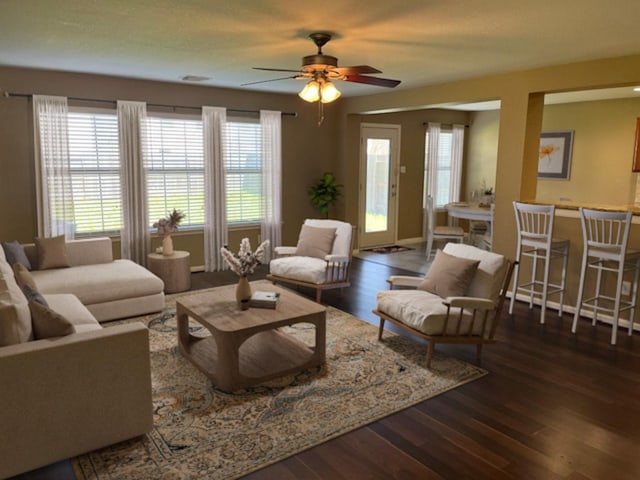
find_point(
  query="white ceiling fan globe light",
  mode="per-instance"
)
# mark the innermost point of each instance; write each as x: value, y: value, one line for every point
x: 329, y: 92
x: 311, y: 92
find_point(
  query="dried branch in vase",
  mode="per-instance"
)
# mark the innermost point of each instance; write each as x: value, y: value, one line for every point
x: 245, y: 262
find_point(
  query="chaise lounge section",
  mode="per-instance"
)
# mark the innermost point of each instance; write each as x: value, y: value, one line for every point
x: 109, y: 288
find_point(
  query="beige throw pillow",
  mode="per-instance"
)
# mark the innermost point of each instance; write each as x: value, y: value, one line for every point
x: 449, y: 276
x: 23, y: 277
x: 47, y: 323
x: 51, y: 252
x: 315, y: 242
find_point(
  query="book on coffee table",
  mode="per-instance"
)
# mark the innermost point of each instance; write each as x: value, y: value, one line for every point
x: 262, y: 299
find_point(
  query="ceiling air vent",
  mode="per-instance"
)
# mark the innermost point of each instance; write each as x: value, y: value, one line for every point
x: 195, y: 78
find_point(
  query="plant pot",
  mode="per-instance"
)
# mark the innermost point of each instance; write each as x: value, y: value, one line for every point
x: 243, y: 291
x: 167, y: 246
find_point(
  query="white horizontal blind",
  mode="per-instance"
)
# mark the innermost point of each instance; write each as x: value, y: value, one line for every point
x: 175, y: 169
x: 95, y: 172
x: 442, y: 195
x: 243, y: 170
x: 174, y: 161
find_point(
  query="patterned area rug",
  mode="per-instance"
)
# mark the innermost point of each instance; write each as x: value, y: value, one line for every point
x: 387, y: 249
x: 202, y: 432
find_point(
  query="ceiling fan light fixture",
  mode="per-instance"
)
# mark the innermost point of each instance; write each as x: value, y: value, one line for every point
x: 311, y: 92
x: 329, y: 92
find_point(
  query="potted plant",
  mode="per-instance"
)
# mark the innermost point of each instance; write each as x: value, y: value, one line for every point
x: 324, y: 193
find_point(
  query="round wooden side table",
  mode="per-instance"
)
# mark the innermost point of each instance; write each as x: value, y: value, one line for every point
x: 172, y: 269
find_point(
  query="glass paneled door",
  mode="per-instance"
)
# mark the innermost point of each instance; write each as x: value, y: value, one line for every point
x: 379, y: 155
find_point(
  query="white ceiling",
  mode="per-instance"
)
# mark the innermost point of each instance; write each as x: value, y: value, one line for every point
x: 420, y: 42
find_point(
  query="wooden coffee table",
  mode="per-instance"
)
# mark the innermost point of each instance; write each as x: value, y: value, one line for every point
x: 245, y: 347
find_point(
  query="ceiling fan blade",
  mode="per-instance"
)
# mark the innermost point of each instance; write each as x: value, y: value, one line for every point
x: 271, y: 80
x: 357, y: 69
x: 380, y: 82
x: 275, y: 69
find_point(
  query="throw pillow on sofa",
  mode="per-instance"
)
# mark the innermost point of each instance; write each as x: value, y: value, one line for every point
x: 14, y: 252
x: 34, y: 295
x: 47, y: 323
x: 23, y: 277
x: 51, y: 252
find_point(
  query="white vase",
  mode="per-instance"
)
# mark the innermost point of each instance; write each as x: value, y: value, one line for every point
x: 167, y: 246
x: 243, y: 291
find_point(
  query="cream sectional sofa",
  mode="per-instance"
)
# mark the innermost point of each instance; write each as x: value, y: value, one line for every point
x: 109, y: 288
x: 64, y: 396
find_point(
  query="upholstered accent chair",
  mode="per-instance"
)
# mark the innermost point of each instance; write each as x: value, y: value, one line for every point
x: 321, y: 260
x: 458, y: 301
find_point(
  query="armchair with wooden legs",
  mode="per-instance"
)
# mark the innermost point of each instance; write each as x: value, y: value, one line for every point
x: 320, y: 261
x: 471, y: 317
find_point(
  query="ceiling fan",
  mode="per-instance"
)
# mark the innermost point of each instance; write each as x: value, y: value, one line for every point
x: 321, y: 69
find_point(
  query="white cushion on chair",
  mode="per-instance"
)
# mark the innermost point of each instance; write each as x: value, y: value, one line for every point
x: 306, y: 269
x: 421, y: 310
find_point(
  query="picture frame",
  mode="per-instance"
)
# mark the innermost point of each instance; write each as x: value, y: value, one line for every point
x: 636, y: 150
x: 554, y: 155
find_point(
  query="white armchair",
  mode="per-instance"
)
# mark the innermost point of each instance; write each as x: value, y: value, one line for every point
x: 468, y: 317
x: 320, y: 261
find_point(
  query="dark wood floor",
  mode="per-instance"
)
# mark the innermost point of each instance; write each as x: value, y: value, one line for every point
x: 554, y: 406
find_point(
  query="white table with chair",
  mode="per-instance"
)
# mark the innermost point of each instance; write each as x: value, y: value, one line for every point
x: 480, y: 222
x: 439, y: 232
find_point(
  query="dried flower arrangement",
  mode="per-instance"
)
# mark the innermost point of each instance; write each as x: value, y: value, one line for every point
x: 166, y: 226
x: 245, y: 262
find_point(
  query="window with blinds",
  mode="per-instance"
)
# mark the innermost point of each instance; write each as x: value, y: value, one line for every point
x: 243, y: 171
x: 174, y: 163
x: 442, y: 195
x: 95, y: 172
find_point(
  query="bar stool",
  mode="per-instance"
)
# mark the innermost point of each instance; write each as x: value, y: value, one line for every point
x: 606, y: 235
x: 535, y: 240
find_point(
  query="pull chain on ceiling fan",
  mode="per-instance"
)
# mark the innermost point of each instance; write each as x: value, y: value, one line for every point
x: 321, y: 69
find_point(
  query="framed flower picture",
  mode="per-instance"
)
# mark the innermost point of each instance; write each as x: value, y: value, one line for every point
x: 554, y: 159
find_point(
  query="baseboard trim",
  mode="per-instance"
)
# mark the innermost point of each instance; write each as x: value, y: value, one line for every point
x: 608, y: 319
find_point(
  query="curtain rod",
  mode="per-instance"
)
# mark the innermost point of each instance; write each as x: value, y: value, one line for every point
x: 424, y: 124
x: 188, y: 107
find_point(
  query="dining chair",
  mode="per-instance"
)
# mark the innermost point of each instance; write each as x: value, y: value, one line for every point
x: 606, y: 237
x: 439, y: 232
x: 535, y: 240
x: 484, y: 240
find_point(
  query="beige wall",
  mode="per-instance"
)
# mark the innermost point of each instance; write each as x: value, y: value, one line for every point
x: 603, y: 143
x: 307, y: 150
x: 482, y: 150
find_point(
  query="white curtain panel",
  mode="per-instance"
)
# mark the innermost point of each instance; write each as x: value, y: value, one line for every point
x: 271, y: 226
x: 433, y: 130
x: 456, y: 163
x: 215, y: 228
x: 135, y: 237
x: 433, y: 142
x: 53, y: 172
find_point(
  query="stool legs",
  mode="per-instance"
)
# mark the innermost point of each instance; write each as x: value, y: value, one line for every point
x: 583, y: 273
x: 617, y: 300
